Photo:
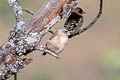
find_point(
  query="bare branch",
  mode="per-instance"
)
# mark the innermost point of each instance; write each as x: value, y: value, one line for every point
x: 25, y: 37
x: 95, y: 19
x: 28, y: 11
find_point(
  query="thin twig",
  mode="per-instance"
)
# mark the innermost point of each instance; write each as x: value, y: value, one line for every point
x: 28, y: 11
x: 95, y: 19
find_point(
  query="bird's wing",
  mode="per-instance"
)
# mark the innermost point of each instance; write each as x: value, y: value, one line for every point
x: 80, y: 22
x: 79, y: 25
x: 77, y: 30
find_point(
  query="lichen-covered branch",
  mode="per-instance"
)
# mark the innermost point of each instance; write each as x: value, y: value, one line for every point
x: 17, y: 10
x: 12, y: 66
x: 25, y: 37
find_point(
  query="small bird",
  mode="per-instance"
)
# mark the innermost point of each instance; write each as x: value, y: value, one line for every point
x: 74, y: 21
x: 57, y: 41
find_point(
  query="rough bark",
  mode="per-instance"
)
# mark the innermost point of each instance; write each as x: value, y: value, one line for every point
x: 25, y: 37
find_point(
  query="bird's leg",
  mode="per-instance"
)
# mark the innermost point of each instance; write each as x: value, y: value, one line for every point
x: 28, y: 11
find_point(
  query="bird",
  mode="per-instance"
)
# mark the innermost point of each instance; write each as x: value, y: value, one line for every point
x: 57, y: 41
x: 74, y: 21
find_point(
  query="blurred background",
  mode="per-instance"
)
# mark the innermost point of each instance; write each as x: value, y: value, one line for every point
x: 94, y: 55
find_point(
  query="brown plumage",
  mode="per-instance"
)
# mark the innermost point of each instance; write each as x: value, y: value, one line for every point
x: 57, y: 41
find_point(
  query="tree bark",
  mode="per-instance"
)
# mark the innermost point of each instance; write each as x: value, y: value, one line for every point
x: 21, y: 42
x: 25, y: 37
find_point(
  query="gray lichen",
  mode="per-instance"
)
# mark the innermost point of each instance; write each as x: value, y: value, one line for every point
x: 22, y: 42
x: 8, y: 69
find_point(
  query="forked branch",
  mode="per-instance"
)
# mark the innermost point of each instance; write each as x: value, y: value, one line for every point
x: 25, y: 37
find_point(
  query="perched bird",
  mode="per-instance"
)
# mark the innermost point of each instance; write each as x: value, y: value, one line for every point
x: 74, y: 22
x: 57, y: 41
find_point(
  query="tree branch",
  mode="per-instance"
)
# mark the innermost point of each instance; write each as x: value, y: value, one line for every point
x: 25, y: 37
x: 95, y: 19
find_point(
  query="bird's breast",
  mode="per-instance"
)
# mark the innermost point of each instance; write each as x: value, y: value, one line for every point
x: 58, y: 41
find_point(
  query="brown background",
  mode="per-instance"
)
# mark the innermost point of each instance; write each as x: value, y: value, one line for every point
x: 94, y: 55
